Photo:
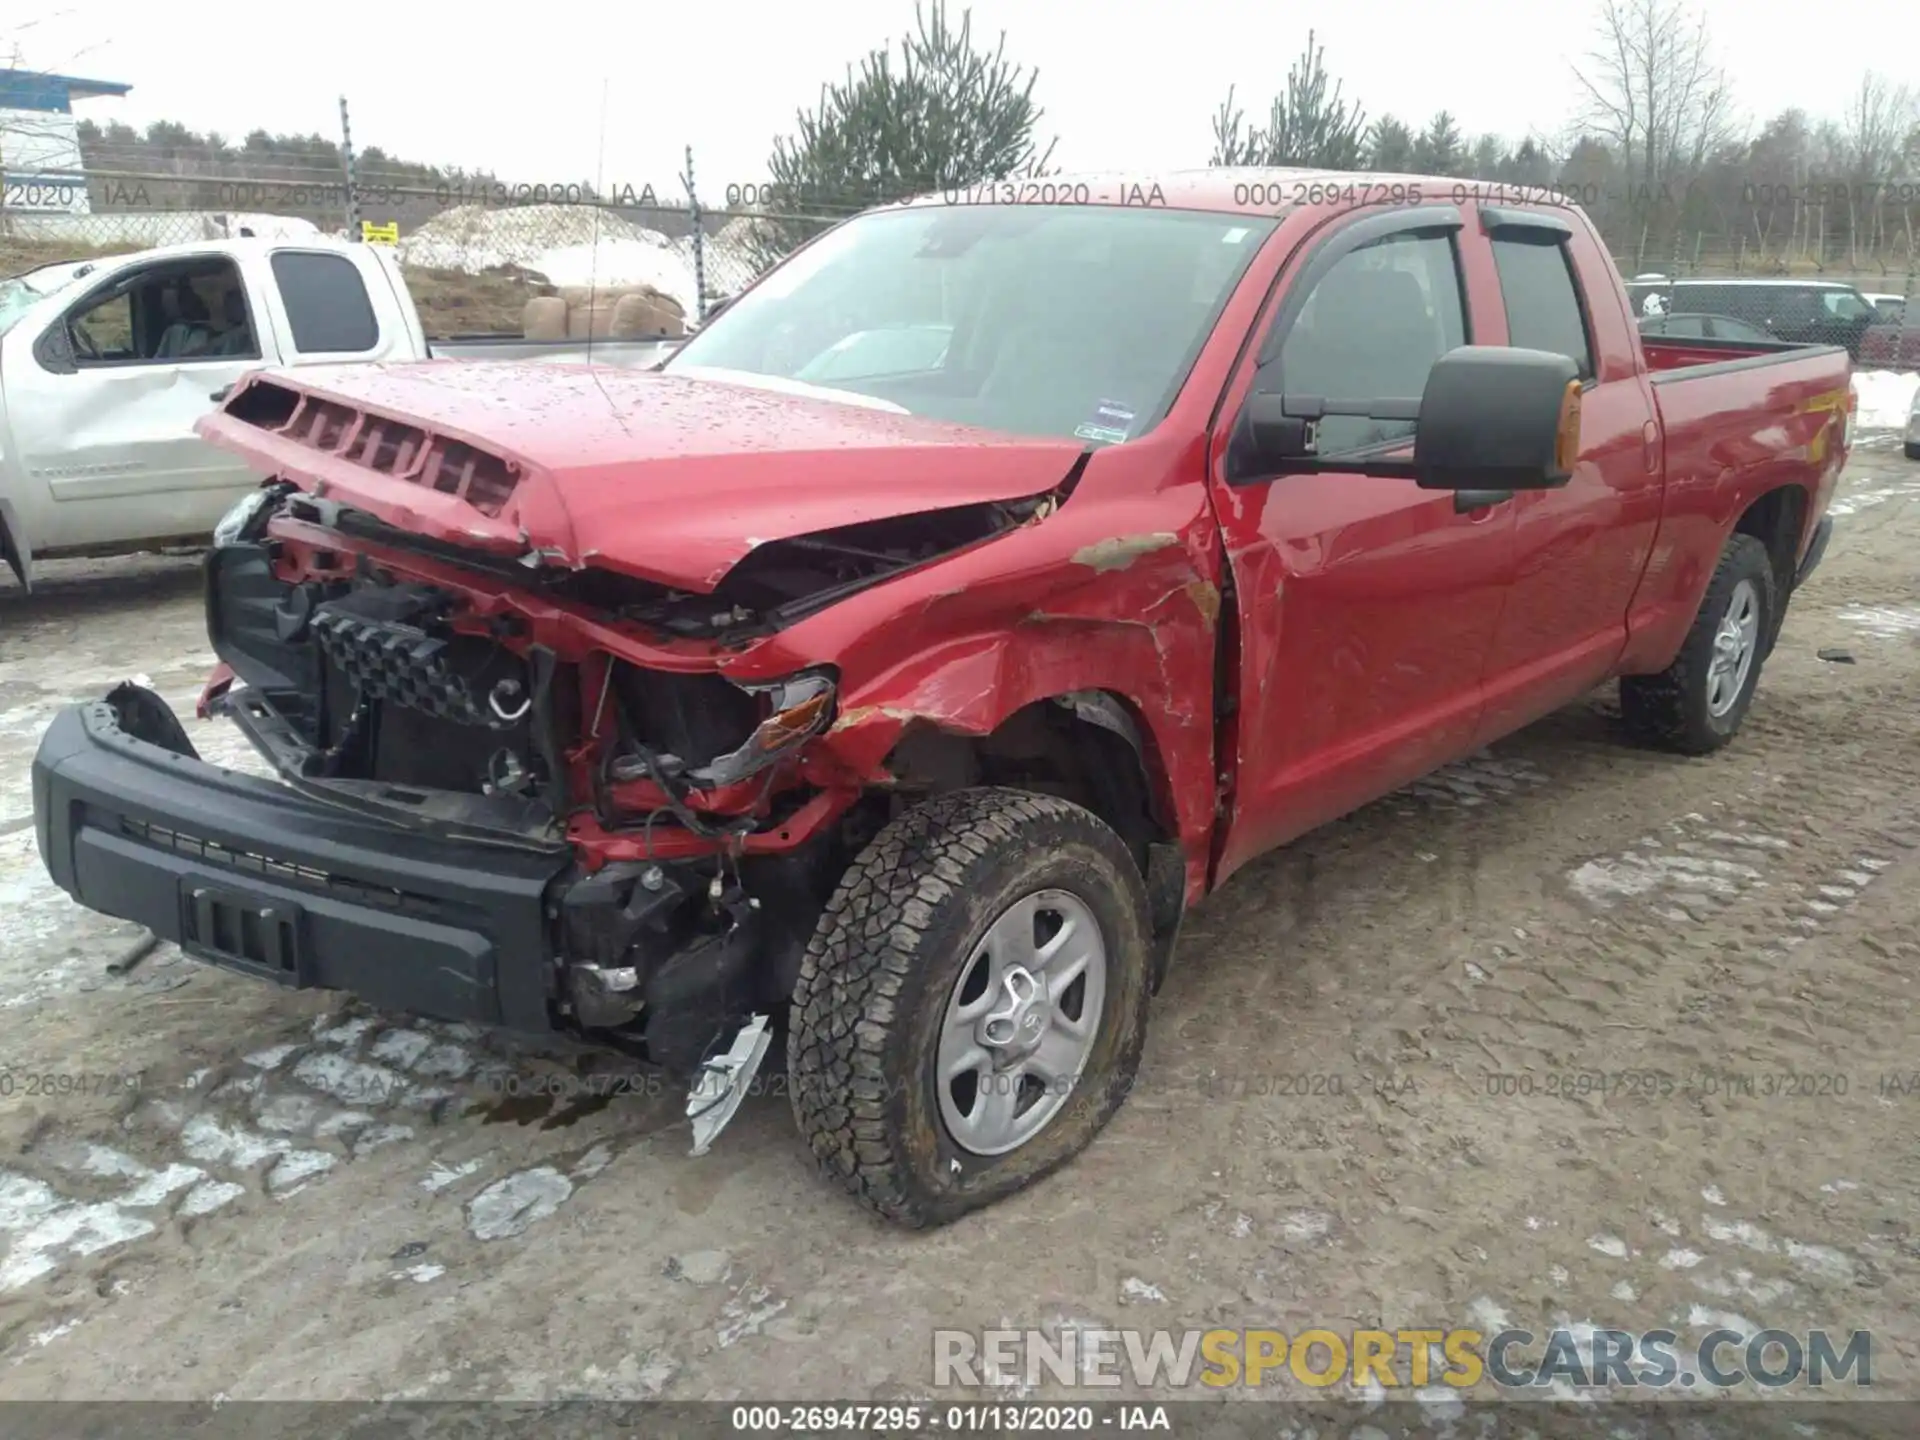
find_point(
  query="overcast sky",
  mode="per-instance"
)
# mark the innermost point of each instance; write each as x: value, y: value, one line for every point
x: 519, y: 89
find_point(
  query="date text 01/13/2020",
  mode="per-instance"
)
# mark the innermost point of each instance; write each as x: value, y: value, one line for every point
x: 956, y: 1419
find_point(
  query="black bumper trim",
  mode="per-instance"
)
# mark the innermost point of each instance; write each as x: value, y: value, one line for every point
x: 303, y: 893
x: 1816, y: 551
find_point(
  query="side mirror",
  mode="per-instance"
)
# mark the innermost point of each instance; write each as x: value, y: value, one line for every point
x: 715, y: 308
x: 1495, y: 417
x: 1492, y: 418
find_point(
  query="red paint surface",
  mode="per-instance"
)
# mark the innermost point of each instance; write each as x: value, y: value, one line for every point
x: 1370, y: 633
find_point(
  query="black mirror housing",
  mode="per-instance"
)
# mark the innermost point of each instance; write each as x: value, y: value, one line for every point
x: 1495, y: 417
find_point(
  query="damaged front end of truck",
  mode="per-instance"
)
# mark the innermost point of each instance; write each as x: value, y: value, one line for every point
x: 529, y: 774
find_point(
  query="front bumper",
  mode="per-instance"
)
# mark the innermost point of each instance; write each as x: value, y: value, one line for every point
x: 253, y: 876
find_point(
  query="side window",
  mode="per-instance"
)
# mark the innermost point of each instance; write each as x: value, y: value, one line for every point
x: 102, y: 330
x: 327, y: 305
x: 172, y: 313
x: 1371, y: 330
x: 1543, y: 304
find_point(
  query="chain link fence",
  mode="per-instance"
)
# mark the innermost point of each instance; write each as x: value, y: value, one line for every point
x: 475, y: 250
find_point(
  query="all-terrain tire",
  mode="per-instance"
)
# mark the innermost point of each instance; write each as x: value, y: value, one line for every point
x: 1670, y: 710
x: 887, y: 955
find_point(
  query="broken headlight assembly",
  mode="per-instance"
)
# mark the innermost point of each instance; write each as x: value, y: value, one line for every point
x: 799, y: 708
x: 240, y: 521
x: 790, y: 711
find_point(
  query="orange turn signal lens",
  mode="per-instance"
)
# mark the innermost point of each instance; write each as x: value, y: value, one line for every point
x: 1566, y: 442
x: 801, y: 708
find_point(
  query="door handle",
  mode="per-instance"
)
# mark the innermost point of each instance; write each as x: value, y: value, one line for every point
x: 1465, y: 500
x: 219, y: 397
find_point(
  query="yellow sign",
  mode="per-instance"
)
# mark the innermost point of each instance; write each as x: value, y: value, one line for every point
x: 388, y: 234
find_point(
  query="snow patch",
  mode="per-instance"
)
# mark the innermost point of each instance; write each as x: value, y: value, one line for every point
x: 568, y: 245
x: 351, y: 1082
x: 209, y: 1196
x: 1704, y: 1317
x: 1886, y: 397
x: 1739, y: 1232
x: 1743, y: 1283
x: 507, y: 1207
x: 1304, y: 1225
x: 745, y: 1314
x: 445, y: 1175
x: 1883, y: 622
x: 1821, y: 1261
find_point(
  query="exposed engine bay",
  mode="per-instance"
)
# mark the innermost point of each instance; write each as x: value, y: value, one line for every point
x: 377, y: 686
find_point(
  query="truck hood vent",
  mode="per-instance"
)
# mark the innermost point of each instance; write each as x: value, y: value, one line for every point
x: 383, y: 445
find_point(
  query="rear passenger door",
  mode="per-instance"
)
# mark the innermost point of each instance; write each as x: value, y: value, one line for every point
x: 323, y: 313
x: 1578, y: 550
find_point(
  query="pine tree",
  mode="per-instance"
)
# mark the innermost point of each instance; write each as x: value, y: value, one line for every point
x: 1489, y: 158
x: 941, y: 116
x: 1306, y: 126
x: 1439, y: 149
x: 1390, y: 146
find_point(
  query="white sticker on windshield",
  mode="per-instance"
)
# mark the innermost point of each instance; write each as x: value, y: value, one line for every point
x: 1111, y: 422
x: 1234, y: 236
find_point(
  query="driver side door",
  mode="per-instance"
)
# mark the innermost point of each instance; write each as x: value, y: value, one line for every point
x: 1366, y: 606
x: 105, y: 415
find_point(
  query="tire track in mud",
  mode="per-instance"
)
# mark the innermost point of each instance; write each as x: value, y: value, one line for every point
x: 1416, y: 948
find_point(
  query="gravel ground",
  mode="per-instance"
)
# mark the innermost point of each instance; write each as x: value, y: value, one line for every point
x: 302, y: 1199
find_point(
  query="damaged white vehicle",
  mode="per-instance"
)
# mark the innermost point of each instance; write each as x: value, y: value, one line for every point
x: 105, y: 365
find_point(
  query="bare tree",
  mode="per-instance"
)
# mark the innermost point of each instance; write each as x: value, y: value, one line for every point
x: 1653, y: 91
x: 1874, y: 132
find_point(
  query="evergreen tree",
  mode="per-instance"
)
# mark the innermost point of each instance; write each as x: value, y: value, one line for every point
x: 1529, y: 165
x: 1489, y: 158
x: 1439, y: 150
x: 1308, y: 125
x: 943, y: 115
x: 1390, y: 146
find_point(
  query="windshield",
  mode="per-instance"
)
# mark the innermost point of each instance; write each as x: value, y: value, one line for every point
x: 1034, y: 320
x: 22, y: 292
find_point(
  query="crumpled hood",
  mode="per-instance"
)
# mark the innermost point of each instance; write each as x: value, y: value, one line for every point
x: 669, y: 478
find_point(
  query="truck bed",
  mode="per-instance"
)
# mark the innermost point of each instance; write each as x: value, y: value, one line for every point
x: 1736, y: 418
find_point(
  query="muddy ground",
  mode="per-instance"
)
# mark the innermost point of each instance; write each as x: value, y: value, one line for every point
x: 247, y: 1193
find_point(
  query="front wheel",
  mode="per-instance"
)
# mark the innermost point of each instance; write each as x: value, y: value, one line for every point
x: 1696, y: 704
x: 972, y: 1007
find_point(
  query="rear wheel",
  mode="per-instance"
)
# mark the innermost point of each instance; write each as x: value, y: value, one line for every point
x: 1696, y: 704
x: 1913, y: 450
x: 971, y: 1010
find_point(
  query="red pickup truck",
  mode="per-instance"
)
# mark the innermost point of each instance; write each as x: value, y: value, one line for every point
x: 889, y: 672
